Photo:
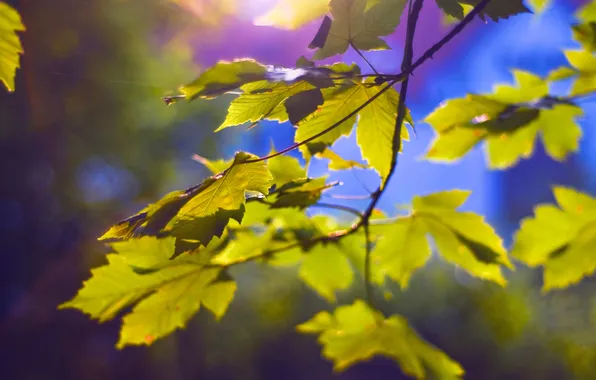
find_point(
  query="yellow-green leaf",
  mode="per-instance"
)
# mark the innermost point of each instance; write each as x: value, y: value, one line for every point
x: 360, y: 24
x: 402, y: 249
x: 10, y: 44
x: 223, y: 77
x: 355, y: 333
x: 326, y: 270
x: 561, y: 239
x: 376, y: 128
x: 585, y: 63
x: 227, y: 190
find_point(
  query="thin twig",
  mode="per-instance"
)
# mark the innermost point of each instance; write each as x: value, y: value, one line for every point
x: 348, y: 197
x: 363, y: 57
x: 351, y: 210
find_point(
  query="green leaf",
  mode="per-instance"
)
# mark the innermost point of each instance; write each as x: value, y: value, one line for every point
x: 336, y: 162
x: 292, y: 14
x: 10, y: 44
x: 205, y: 228
x: 509, y: 121
x: 285, y: 169
x: 267, y: 99
x: 166, y: 296
x: 585, y: 63
x: 376, y: 128
x: 172, y: 305
x: 462, y: 238
x: 326, y: 270
x: 214, y: 167
x: 262, y: 100
x: 227, y: 190
x: 539, y: 5
x: 495, y: 9
x: 402, y: 249
x: 223, y: 77
x: 560, y: 239
x: 355, y: 333
x: 357, y: 23
x: 587, y: 13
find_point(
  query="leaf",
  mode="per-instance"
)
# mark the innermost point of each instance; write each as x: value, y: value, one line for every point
x: 326, y: 270
x: 462, y: 238
x: 360, y: 25
x: 560, y: 239
x: 292, y: 14
x: 285, y: 169
x: 402, y: 250
x: 223, y: 77
x: 585, y: 34
x: 495, y: 9
x: 376, y: 128
x: 227, y: 190
x: 166, y: 296
x: 355, y: 333
x: 266, y: 99
x: 509, y: 121
x: 173, y: 304
x: 587, y: 13
x: 585, y: 63
x: 336, y: 162
x: 300, y: 193
x: 10, y: 44
x: 214, y: 167
x: 299, y: 106
x: 205, y: 228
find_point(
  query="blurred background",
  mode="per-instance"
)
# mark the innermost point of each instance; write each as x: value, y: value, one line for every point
x: 86, y: 140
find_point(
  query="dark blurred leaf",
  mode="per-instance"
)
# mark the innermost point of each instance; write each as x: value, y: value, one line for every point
x: 203, y: 229
x: 319, y: 39
x: 10, y: 44
x: 495, y: 9
x: 585, y: 34
x: 355, y: 333
x: 300, y: 105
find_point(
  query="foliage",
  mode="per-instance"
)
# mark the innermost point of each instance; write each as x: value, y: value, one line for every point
x: 173, y: 256
x: 10, y: 45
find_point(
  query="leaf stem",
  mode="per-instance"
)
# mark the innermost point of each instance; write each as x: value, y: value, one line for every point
x: 351, y: 210
x: 363, y: 57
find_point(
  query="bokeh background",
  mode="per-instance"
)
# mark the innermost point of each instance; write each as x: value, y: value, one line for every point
x: 85, y: 140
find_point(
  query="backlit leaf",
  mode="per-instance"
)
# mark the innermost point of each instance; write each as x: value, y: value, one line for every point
x: 326, y: 270
x: 10, y: 44
x: 509, y: 120
x: 299, y: 106
x: 223, y: 77
x: 495, y: 9
x: 461, y: 238
x: 357, y: 23
x: 560, y: 239
x: 355, y: 333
